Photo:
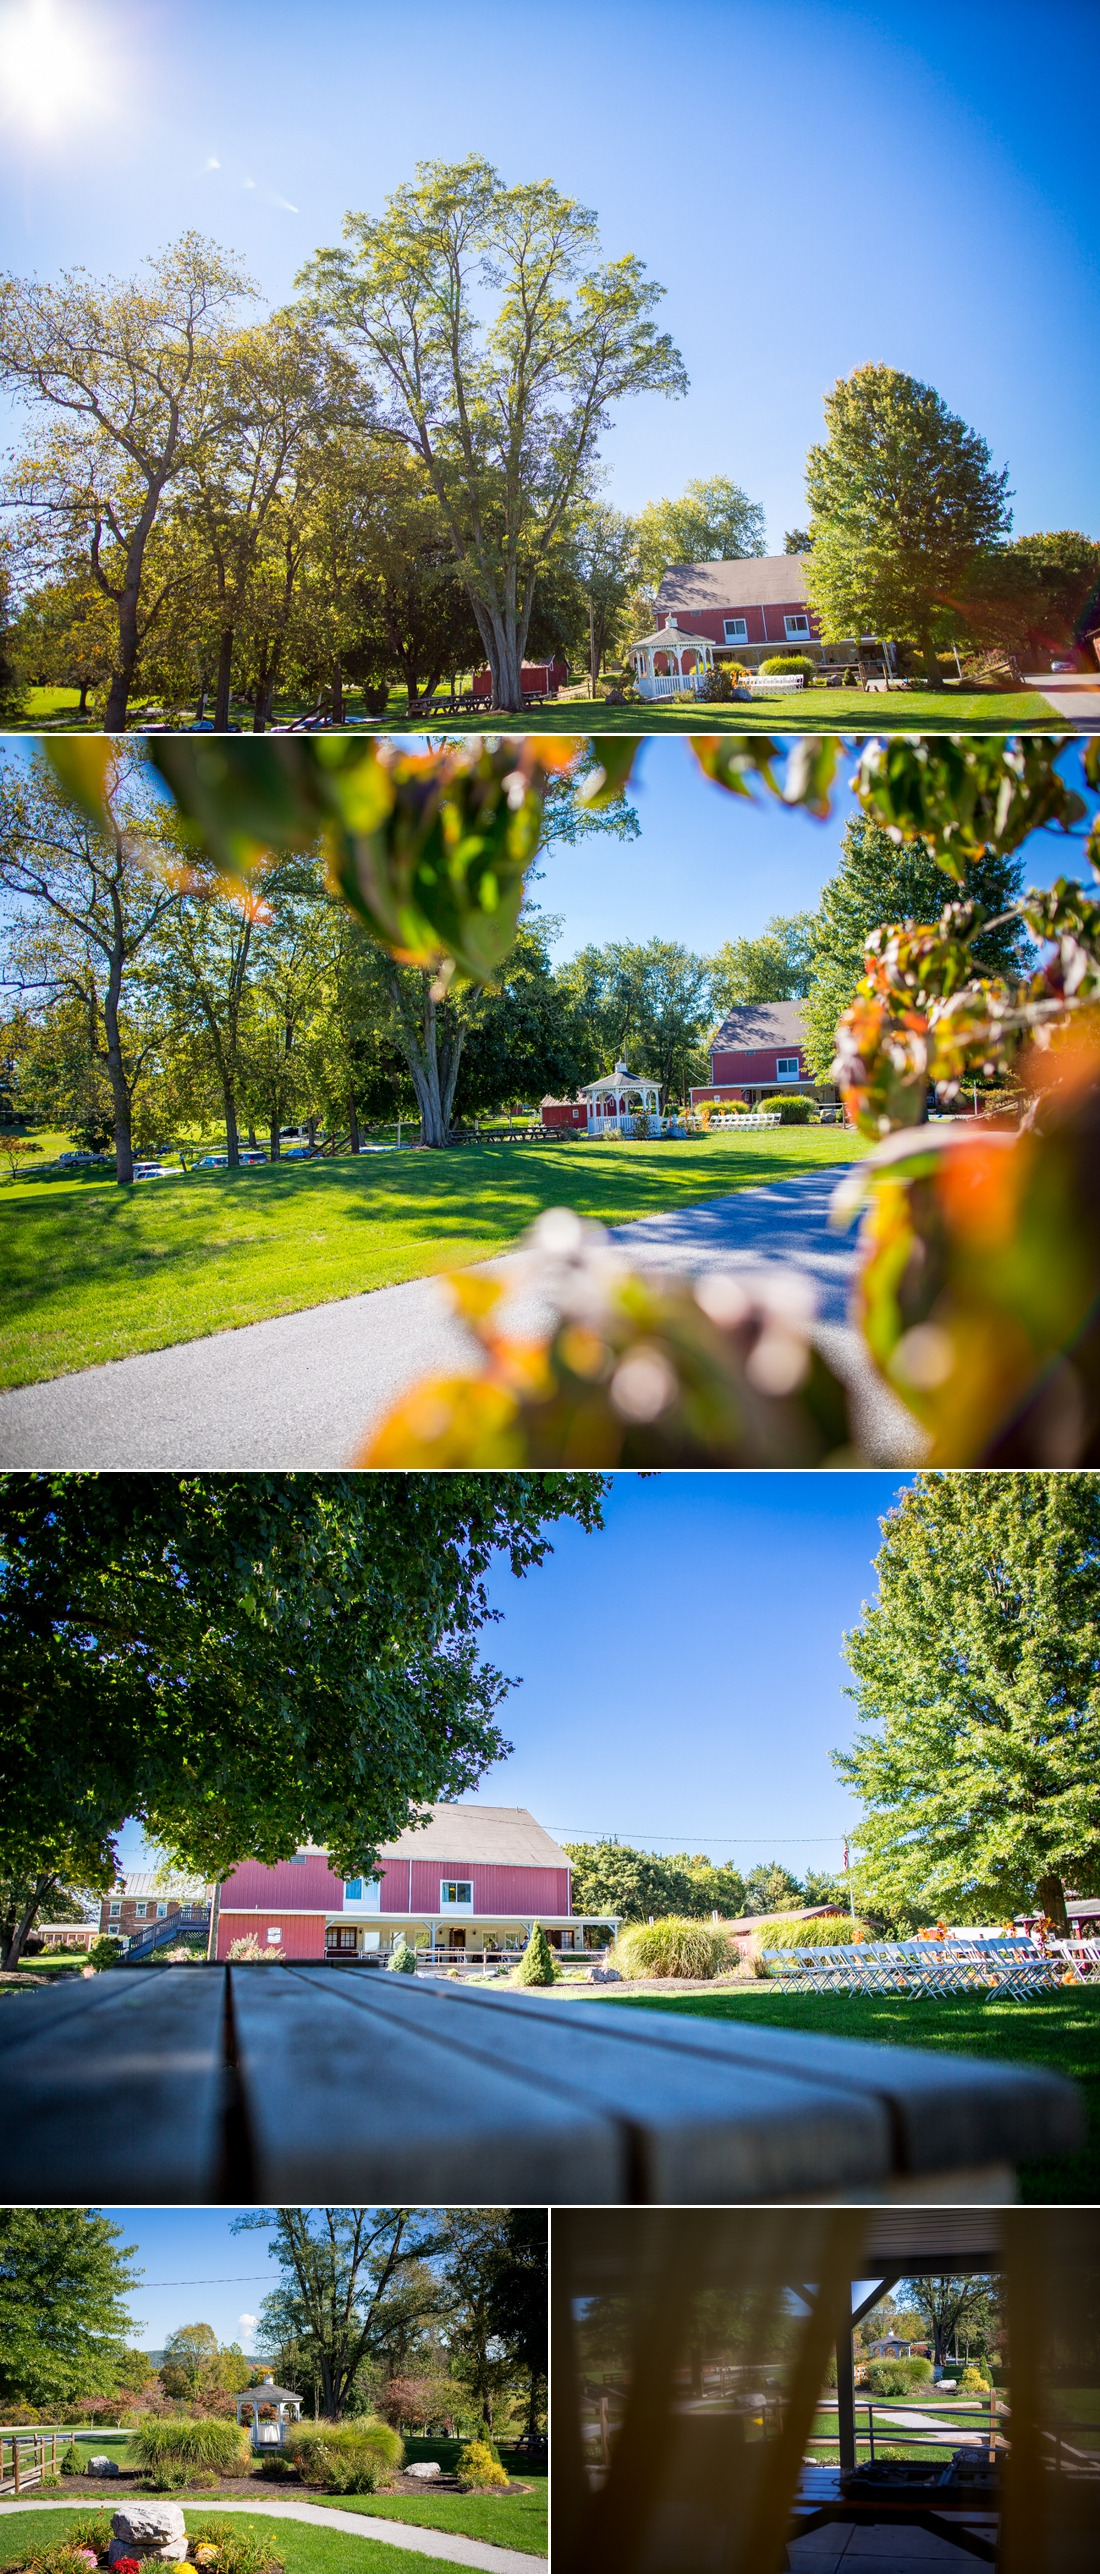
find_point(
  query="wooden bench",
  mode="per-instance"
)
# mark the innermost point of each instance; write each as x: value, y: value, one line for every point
x: 184, y: 2084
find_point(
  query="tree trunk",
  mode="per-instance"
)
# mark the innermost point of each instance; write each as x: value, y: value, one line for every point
x: 232, y: 1138
x: 122, y: 677
x: 930, y: 659
x: 353, y: 1123
x: 434, y: 1077
x: 1051, y: 1895
x: 274, y: 1138
x: 17, y: 1929
x: 337, y: 690
x: 593, y: 665
x: 225, y: 675
x: 82, y: 709
x: 120, y: 1095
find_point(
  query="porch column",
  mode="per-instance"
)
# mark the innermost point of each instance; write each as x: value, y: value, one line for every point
x: 846, y: 2384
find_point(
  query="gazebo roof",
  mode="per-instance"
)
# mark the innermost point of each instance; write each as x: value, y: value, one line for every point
x: 669, y: 639
x: 268, y: 2393
x: 620, y: 1079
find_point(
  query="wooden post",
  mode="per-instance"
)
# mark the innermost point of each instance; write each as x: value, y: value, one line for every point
x: 15, y: 2459
x: 846, y: 2388
x: 603, y: 2429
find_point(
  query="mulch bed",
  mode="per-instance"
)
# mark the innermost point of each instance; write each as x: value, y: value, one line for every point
x: 129, y: 2481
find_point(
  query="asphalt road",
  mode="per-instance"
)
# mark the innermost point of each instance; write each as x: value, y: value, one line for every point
x: 305, y: 1389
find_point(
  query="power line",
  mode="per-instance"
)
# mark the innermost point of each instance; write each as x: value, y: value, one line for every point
x: 723, y: 1840
x: 238, y: 2279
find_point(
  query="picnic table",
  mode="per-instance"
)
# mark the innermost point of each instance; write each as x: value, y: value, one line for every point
x: 953, y: 2509
x: 185, y: 2084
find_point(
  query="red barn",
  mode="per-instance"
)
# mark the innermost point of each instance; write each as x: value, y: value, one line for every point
x: 570, y: 1116
x: 752, y: 608
x: 537, y: 679
x: 473, y: 1878
x: 760, y: 1047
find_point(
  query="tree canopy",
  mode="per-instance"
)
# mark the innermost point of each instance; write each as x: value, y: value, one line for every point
x: 879, y: 880
x: 977, y: 1686
x: 713, y: 521
x: 248, y: 1663
x: 64, y: 2318
x: 904, y: 497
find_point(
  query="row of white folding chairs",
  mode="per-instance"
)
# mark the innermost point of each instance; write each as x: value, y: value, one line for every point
x: 922, y: 1966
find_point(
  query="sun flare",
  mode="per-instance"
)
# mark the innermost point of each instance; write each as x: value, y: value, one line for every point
x: 52, y: 72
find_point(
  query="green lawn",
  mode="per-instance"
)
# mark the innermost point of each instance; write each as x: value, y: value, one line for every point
x: 503, y: 2520
x: 89, y: 1271
x: 1058, y: 2030
x: 302, y: 2549
x: 813, y: 710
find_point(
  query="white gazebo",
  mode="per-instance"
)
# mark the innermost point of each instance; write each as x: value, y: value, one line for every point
x: 622, y: 1103
x: 684, y: 661
x: 275, y: 2401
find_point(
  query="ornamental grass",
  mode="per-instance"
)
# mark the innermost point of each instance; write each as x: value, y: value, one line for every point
x: 672, y: 1947
x: 359, y: 2457
x: 207, y: 2442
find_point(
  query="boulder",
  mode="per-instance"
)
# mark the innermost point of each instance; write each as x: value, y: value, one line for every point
x: 103, y: 2466
x: 425, y: 2467
x: 148, y: 2529
x: 603, y: 1975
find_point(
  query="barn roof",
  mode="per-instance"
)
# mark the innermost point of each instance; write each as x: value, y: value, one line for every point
x: 760, y: 1023
x: 502, y: 1836
x: 751, y: 581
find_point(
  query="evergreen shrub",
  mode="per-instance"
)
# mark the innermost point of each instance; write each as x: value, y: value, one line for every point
x: 536, y: 1965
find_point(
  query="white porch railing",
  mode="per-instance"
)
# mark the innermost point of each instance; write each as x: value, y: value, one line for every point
x: 773, y: 683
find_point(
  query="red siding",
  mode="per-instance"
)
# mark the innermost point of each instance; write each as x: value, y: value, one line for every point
x: 765, y: 625
x: 760, y: 1065
x: 526, y: 1891
x: 563, y: 1112
x: 300, y: 1884
x: 537, y: 679
x: 303, y: 1933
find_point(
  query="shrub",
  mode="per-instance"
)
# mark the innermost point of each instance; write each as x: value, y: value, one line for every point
x: 478, y: 2471
x: 71, y: 2463
x: 791, y: 1108
x: 888, y: 2377
x: 721, y: 682
x: 920, y: 2372
x: 104, y: 1951
x: 346, y: 2457
x: 670, y: 1947
x: 206, y: 2442
x: 784, y: 665
x: 248, y: 1952
x: 536, y: 1965
x: 402, y: 1958
x: 974, y: 2381
x: 784, y: 1931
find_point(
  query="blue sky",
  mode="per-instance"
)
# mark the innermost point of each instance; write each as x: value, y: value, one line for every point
x: 680, y: 1675
x: 816, y: 183
x: 196, y: 2271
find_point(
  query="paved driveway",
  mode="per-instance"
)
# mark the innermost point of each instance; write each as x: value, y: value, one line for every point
x: 304, y: 1389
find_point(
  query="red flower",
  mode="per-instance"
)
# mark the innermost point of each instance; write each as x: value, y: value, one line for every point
x: 126, y: 2565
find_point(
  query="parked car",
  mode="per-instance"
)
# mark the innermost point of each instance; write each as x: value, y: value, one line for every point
x: 155, y: 1171
x: 69, y: 1161
x: 212, y: 1162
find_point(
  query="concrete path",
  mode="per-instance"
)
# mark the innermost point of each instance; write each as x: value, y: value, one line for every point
x: 305, y: 1389
x: 1075, y: 698
x: 440, y: 2543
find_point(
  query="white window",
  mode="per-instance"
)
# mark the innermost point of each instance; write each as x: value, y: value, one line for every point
x: 139, y: 1912
x: 736, y: 630
x: 274, y: 1935
x: 456, y: 1895
x: 796, y: 628
x: 115, y: 1908
x: 365, y: 1893
x: 786, y: 1068
x: 162, y: 1912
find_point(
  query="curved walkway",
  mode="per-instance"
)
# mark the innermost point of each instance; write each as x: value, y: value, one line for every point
x: 304, y: 1390
x: 441, y: 2543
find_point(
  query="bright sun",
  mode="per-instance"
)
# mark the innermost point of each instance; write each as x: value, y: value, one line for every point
x: 52, y: 76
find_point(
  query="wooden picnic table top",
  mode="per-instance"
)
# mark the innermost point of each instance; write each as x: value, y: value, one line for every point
x: 187, y: 2084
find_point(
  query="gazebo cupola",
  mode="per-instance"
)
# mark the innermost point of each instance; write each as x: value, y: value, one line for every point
x: 269, y: 2408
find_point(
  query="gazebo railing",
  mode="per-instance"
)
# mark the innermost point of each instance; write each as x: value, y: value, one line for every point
x: 671, y: 683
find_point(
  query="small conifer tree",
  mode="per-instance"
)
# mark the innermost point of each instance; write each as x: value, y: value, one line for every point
x: 536, y: 1965
x: 402, y: 1958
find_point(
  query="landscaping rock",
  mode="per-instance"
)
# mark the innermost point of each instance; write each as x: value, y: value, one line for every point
x: 103, y: 2466
x: 426, y: 2467
x: 603, y: 1975
x: 148, y: 2529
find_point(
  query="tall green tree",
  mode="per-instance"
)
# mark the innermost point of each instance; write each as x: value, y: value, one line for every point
x: 610, y: 1877
x: 977, y: 1686
x: 777, y: 966
x: 125, y: 380
x: 504, y: 400
x: 1037, y: 594
x: 344, y: 2271
x: 904, y: 497
x: 248, y: 1663
x: 712, y: 522
x: 65, y: 2274
x: 954, y: 2306
x: 84, y: 916
x: 878, y: 881
x: 518, y: 2301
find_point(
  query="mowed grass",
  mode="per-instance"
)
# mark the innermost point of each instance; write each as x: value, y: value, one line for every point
x: 302, y: 2549
x: 814, y: 710
x: 502, y: 2520
x: 90, y: 1272
x: 1060, y: 2031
